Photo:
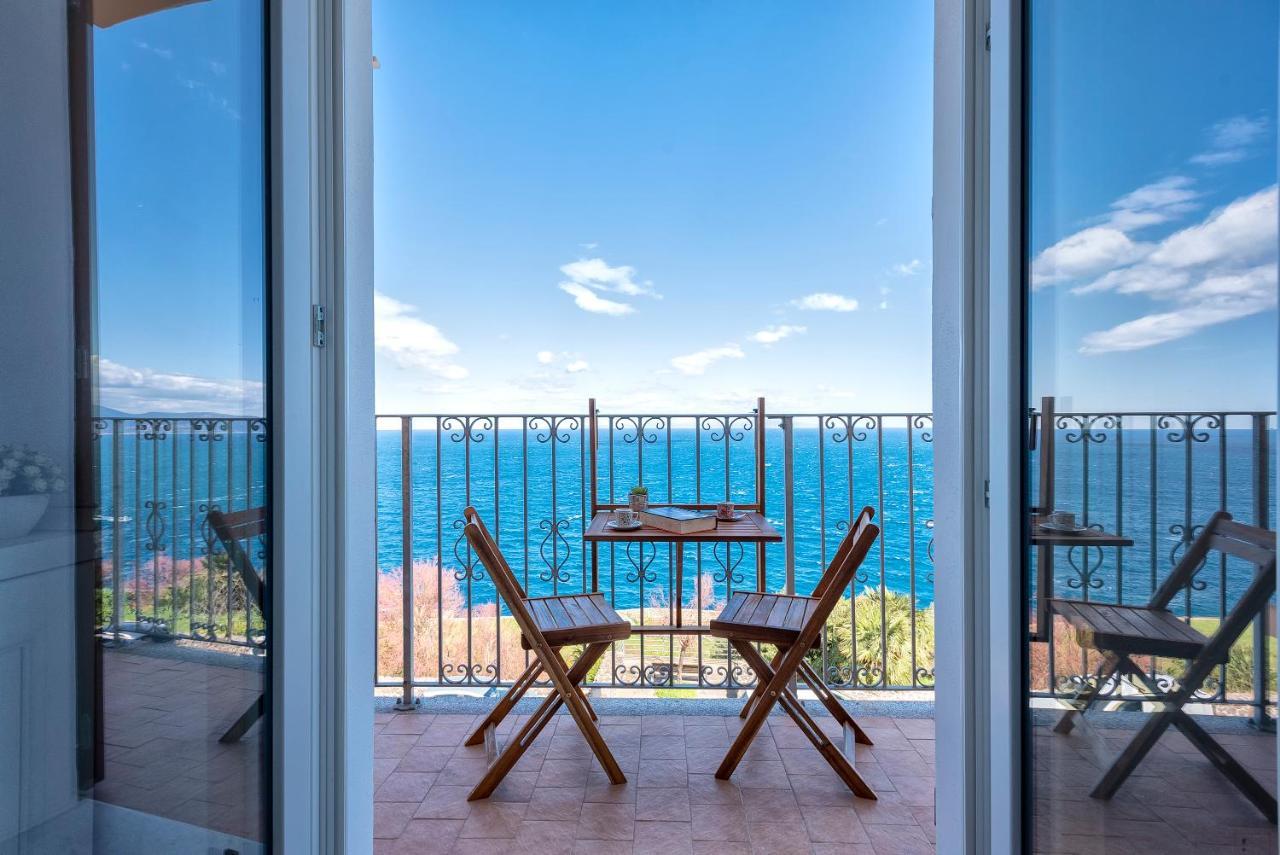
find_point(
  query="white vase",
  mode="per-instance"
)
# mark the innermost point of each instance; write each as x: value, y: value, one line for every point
x: 638, y: 503
x: 19, y: 514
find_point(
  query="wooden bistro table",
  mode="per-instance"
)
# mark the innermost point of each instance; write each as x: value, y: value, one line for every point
x: 753, y: 528
x: 1045, y: 543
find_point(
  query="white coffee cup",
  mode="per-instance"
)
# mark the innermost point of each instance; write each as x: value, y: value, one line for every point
x: 724, y: 510
x: 1063, y: 519
x: 624, y: 517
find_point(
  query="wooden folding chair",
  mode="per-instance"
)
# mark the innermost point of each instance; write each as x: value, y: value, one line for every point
x: 794, y: 624
x: 231, y: 530
x: 547, y: 624
x: 1121, y: 632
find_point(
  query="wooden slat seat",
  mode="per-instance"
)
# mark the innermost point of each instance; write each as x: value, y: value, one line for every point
x: 1131, y: 629
x: 766, y: 618
x: 575, y: 619
x: 1121, y: 632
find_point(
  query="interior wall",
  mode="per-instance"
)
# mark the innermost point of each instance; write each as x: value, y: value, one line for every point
x: 37, y: 603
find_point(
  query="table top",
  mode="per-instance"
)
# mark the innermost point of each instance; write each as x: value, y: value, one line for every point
x: 1088, y: 537
x: 752, y: 528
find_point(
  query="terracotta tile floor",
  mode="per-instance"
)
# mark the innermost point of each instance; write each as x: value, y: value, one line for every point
x: 783, y: 798
x: 162, y: 757
x: 162, y: 716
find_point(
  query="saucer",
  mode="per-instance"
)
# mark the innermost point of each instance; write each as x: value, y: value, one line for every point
x: 739, y: 515
x: 618, y: 527
x: 1064, y: 529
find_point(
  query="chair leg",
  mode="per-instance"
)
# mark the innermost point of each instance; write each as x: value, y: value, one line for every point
x: 585, y: 716
x: 1132, y: 755
x: 759, y: 689
x: 1085, y: 698
x: 577, y: 687
x: 529, y: 732
x: 244, y: 722
x: 1227, y: 765
x: 832, y: 703
x: 507, y: 702
x: 835, y: 758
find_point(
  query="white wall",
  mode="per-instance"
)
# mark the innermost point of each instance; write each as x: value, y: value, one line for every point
x: 37, y: 689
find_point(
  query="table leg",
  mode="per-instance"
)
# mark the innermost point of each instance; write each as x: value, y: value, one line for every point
x: 1044, y: 590
x: 595, y: 567
x: 677, y: 596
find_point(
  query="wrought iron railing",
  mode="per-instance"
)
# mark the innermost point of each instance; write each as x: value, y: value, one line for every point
x: 163, y: 572
x: 529, y: 475
x: 1156, y: 477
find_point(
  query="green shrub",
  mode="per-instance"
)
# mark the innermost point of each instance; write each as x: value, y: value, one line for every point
x: 876, y: 666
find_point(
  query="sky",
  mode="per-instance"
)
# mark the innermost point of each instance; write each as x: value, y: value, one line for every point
x: 680, y: 207
x: 1153, y: 220
x: 671, y: 207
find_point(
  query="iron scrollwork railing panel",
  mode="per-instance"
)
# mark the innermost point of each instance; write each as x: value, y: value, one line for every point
x: 1156, y: 478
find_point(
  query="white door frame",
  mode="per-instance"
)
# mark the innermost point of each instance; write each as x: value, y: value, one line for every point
x: 976, y: 381
x: 322, y: 674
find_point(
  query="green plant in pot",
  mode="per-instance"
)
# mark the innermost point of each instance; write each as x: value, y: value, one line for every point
x: 27, y: 478
x: 638, y: 498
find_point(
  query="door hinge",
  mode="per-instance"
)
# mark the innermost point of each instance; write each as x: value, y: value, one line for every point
x: 988, y: 37
x: 317, y: 326
x: 986, y: 493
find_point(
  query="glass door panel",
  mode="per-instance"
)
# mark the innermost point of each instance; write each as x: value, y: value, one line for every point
x: 135, y: 445
x: 1150, y: 366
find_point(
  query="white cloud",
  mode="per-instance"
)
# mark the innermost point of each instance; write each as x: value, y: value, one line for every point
x: 1230, y: 140
x: 1108, y: 244
x: 1085, y: 253
x: 595, y: 273
x: 577, y: 366
x: 824, y: 301
x: 910, y: 268
x: 143, y: 390
x: 1158, y: 202
x: 697, y: 363
x: 1214, y: 301
x: 163, y: 53
x: 589, y: 301
x: 775, y: 334
x: 1216, y: 271
x: 546, y: 357
x: 412, y: 342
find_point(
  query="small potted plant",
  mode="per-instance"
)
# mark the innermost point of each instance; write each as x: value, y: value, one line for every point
x: 638, y: 499
x: 26, y: 479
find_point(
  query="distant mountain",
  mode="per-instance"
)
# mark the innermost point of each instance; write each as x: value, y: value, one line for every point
x: 112, y: 413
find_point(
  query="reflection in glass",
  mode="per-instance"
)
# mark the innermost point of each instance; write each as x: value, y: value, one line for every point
x: 1151, y: 345
x: 134, y: 600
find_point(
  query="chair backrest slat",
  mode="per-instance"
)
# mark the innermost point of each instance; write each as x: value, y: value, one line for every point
x: 1250, y: 552
x: 233, y: 528
x: 486, y: 548
x: 842, y: 550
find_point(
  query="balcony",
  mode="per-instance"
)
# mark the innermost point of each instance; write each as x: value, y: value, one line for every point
x: 668, y: 700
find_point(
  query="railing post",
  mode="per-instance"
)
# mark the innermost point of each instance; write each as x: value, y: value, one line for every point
x: 789, y: 501
x: 406, y: 561
x: 1261, y: 514
x: 117, y: 551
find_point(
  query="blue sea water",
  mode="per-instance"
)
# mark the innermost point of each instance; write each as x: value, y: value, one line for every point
x: 530, y: 483
x: 1143, y: 483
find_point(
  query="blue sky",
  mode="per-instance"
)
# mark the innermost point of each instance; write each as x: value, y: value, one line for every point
x: 677, y: 206
x: 179, y: 185
x: 633, y: 201
x: 1153, y: 204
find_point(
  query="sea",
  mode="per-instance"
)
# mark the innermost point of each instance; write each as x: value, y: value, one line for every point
x: 530, y: 482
